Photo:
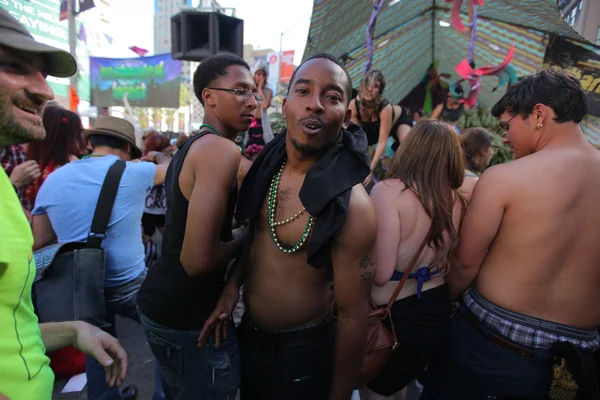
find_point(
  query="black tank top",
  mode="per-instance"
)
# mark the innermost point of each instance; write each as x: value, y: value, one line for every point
x: 371, y: 128
x: 169, y: 295
x: 452, y: 115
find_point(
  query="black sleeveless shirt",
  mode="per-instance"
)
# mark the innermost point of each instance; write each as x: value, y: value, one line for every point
x: 452, y: 114
x: 169, y: 295
x: 371, y: 128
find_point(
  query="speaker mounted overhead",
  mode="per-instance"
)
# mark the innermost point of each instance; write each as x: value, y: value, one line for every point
x: 196, y: 35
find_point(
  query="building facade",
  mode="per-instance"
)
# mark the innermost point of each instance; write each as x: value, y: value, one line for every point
x: 583, y: 16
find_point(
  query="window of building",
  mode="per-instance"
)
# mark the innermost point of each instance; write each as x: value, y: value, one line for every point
x: 573, y: 16
x: 598, y: 36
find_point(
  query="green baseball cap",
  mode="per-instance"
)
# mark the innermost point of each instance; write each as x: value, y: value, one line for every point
x: 13, y: 35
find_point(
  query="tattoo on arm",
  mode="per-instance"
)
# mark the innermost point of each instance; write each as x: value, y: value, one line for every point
x: 366, y: 262
x: 366, y: 278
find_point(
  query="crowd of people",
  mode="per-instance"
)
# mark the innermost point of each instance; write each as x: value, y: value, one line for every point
x: 271, y: 259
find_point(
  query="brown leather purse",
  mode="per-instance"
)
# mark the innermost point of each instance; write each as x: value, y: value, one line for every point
x: 381, y: 343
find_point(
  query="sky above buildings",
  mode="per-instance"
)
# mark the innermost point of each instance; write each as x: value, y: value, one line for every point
x: 264, y: 21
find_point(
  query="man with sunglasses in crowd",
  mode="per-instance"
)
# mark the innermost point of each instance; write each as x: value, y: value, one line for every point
x: 527, y: 258
x: 182, y: 288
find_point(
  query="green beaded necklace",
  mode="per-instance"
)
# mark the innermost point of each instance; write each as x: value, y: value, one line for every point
x: 212, y: 128
x: 272, y: 205
x: 92, y: 155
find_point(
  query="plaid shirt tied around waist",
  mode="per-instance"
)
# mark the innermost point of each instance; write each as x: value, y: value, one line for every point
x: 527, y: 331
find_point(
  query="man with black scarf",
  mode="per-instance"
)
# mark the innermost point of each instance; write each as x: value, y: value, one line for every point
x: 312, y: 223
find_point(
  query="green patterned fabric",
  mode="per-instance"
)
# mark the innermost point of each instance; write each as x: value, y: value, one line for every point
x: 408, y: 37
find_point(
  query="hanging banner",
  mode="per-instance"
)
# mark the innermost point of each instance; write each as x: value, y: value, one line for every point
x: 583, y: 63
x: 148, y: 82
x: 287, y: 66
x: 273, y: 60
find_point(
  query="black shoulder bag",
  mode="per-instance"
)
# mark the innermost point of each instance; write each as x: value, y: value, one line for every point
x: 69, y: 282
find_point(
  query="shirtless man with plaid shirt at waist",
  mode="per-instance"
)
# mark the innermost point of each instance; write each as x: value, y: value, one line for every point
x: 528, y: 326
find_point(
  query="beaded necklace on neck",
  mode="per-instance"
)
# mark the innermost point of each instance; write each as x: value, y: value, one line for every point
x: 92, y: 155
x: 212, y: 128
x: 272, y: 206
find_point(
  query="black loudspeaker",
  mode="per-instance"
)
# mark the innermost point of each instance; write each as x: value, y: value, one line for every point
x: 197, y: 35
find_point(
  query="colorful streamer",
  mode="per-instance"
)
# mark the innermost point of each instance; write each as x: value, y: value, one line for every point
x: 456, y: 22
x: 371, y: 32
x: 473, y: 76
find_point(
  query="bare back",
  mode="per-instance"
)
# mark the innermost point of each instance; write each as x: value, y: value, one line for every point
x: 545, y: 258
x: 413, y: 226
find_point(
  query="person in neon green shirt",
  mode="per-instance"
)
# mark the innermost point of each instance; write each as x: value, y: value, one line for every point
x: 25, y: 372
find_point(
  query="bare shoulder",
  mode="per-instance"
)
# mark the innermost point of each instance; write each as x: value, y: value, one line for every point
x: 387, y: 190
x: 388, y: 109
x: 360, y: 220
x: 468, y: 186
x: 216, y: 150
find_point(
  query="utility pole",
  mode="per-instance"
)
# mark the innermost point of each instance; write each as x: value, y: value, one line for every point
x: 72, y: 38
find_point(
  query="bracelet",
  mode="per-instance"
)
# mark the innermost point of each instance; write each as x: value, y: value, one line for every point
x: 154, y: 158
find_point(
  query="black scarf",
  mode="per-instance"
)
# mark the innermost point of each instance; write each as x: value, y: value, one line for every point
x: 325, y: 192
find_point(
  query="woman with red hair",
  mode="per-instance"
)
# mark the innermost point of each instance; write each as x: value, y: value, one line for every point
x: 63, y: 143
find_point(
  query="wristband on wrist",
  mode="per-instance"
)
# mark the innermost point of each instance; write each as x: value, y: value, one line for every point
x: 154, y: 158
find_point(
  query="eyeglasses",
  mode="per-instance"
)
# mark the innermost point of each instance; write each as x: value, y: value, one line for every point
x: 503, y: 128
x: 243, y: 93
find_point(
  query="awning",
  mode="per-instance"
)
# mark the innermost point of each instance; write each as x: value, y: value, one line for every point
x: 408, y: 37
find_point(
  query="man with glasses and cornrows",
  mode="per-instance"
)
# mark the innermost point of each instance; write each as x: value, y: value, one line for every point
x: 183, y: 287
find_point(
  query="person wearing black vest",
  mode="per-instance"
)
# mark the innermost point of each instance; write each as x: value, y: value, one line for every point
x: 312, y: 223
x: 182, y: 288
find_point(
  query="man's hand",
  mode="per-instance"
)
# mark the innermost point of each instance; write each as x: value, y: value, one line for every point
x: 261, y: 82
x: 220, y: 318
x: 368, y: 180
x: 105, y: 349
x: 25, y: 173
x: 151, y: 155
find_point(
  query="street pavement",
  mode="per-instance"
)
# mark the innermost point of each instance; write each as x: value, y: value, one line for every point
x: 141, y: 365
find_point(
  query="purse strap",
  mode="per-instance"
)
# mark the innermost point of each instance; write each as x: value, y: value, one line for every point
x: 105, y: 204
x: 410, y: 268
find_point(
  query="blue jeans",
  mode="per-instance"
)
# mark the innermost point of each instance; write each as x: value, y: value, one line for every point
x: 195, y: 373
x: 472, y: 367
x: 120, y: 300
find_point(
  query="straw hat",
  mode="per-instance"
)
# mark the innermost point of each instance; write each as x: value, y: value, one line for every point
x: 117, y: 128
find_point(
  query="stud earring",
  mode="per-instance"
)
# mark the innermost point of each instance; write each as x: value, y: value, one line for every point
x: 538, y: 125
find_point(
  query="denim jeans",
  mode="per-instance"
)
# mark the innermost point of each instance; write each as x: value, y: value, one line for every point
x: 120, y: 300
x: 194, y: 373
x: 472, y: 367
x: 292, y: 364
